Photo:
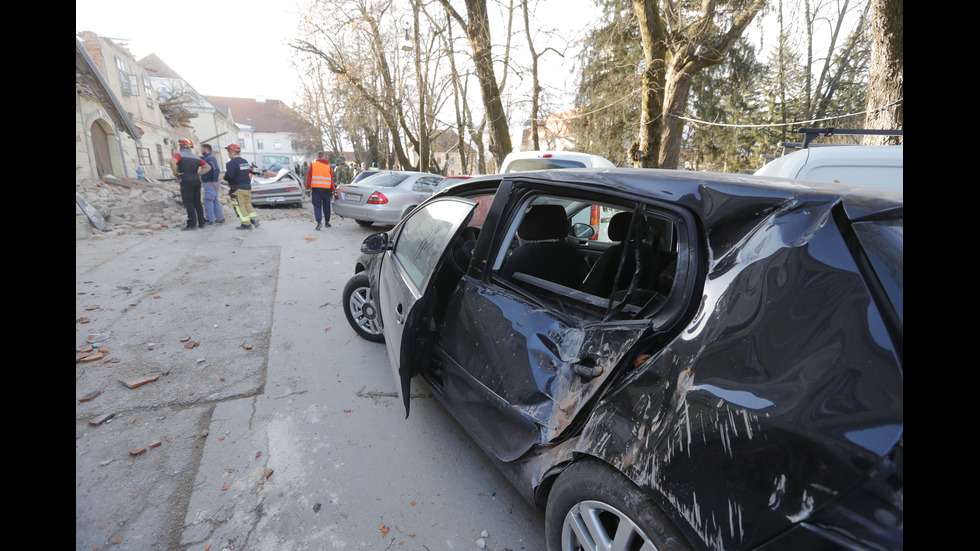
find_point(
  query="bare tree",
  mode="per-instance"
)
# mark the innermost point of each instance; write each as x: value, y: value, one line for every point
x: 678, y: 41
x: 536, y: 88
x: 477, y: 28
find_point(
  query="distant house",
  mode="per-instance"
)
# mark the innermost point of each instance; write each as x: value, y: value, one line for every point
x: 119, y: 127
x: 554, y: 133
x: 210, y: 124
x: 445, y: 151
x: 265, y: 129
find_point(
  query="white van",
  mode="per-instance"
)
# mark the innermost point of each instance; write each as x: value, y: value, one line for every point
x: 859, y: 165
x: 520, y: 161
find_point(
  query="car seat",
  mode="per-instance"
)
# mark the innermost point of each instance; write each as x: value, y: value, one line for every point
x: 549, y: 256
x: 599, y: 281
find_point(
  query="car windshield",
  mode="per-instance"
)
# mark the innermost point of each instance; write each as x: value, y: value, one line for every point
x: 521, y: 165
x: 387, y: 180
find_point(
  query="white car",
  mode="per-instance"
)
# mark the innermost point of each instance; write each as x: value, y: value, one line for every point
x: 520, y: 161
x: 878, y: 166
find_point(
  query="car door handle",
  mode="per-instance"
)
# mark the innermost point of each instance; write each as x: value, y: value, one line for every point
x: 399, y: 315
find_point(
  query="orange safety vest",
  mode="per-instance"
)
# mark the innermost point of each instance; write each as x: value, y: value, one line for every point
x: 321, y: 176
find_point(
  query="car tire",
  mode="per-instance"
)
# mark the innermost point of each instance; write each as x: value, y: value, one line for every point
x: 592, y: 502
x: 364, y: 222
x: 359, y: 309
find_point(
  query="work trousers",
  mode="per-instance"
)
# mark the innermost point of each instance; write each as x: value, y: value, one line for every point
x: 321, y: 204
x: 212, y: 206
x: 190, y: 194
x: 242, y: 201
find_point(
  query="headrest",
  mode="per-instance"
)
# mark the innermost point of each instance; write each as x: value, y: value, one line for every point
x: 619, y: 226
x: 544, y: 222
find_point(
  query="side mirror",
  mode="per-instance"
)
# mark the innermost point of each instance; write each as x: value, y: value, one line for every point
x: 376, y: 243
x: 582, y: 231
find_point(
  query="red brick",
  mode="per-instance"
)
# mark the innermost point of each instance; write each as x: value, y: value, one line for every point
x: 139, y: 381
x: 96, y: 421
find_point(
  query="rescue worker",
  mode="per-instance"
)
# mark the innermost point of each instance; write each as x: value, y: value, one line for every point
x: 239, y: 178
x: 187, y: 166
x: 319, y: 179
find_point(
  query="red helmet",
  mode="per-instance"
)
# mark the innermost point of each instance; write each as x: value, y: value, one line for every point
x: 186, y: 144
x: 233, y: 147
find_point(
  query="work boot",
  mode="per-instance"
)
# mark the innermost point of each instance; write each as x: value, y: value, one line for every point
x: 319, y: 226
x: 188, y: 227
x: 255, y: 223
x: 201, y: 225
x: 326, y: 224
x: 244, y: 227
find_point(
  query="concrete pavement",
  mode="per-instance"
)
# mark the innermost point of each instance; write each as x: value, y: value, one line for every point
x: 280, y: 428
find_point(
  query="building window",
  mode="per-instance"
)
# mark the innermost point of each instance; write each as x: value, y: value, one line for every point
x: 144, y: 154
x: 160, y: 154
x: 128, y: 82
x: 149, y: 92
x: 258, y: 144
x: 277, y: 145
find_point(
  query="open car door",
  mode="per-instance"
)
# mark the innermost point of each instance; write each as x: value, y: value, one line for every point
x: 405, y: 286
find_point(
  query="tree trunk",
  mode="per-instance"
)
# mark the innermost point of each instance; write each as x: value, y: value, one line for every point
x: 478, y: 32
x: 646, y: 148
x: 886, y: 82
x: 675, y: 101
x: 665, y: 88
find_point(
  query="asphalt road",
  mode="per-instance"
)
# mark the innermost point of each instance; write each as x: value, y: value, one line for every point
x: 234, y: 408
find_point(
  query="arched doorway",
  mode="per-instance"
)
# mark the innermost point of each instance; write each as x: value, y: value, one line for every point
x: 100, y: 147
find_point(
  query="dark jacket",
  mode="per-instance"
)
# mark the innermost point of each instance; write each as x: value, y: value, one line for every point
x: 237, y: 174
x: 214, y: 174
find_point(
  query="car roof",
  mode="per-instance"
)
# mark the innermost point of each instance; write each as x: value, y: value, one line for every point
x: 791, y: 165
x: 585, y: 158
x: 712, y: 196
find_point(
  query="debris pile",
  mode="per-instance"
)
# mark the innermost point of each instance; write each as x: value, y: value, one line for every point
x: 130, y: 206
x: 143, y: 207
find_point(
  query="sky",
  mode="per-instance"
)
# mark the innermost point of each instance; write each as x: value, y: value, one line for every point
x: 239, y: 48
x: 229, y: 49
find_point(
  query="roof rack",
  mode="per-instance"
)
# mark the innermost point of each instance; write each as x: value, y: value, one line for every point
x: 810, y: 133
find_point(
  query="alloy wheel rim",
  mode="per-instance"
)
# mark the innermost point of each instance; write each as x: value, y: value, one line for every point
x: 597, y: 526
x: 362, y: 308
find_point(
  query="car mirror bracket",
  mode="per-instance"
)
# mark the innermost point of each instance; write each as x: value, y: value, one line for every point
x: 376, y: 243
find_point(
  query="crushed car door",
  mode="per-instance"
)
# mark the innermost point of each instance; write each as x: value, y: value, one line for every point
x: 521, y: 360
x: 516, y: 374
x: 405, y: 282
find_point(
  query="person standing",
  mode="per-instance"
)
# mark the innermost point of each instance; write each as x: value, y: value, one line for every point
x: 187, y: 166
x: 319, y: 179
x: 212, y: 206
x: 239, y: 178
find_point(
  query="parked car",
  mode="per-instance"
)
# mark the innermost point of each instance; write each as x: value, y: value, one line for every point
x: 520, y: 161
x: 364, y: 174
x: 857, y: 165
x: 864, y: 165
x: 285, y: 188
x: 724, y: 371
x: 384, y: 197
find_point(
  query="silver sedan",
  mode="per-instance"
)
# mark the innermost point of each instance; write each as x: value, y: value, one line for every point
x: 385, y: 197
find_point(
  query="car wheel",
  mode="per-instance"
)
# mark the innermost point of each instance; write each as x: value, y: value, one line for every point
x: 364, y: 222
x: 592, y: 506
x: 359, y: 308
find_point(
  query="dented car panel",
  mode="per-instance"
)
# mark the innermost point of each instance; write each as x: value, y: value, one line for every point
x: 554, y: 369
x: 747, y: 424
x: 759, y: 404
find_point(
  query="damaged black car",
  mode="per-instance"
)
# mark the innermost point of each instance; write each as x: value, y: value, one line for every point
x: 660, y: 359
